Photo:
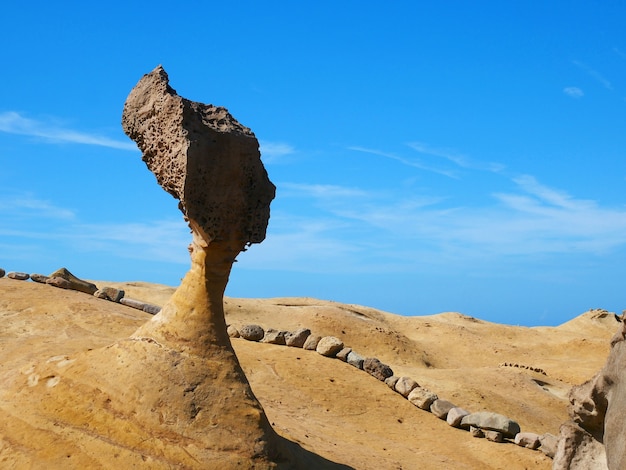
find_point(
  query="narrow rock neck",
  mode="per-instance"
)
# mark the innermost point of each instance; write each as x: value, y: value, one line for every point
x: 192, y: 320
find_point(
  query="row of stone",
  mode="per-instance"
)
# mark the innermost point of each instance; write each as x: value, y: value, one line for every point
x: 492, y: 426
x: 64, y: 279
x: 521, y: 366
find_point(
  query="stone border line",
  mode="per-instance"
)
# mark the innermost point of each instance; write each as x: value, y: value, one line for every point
x: 483, y: 424
x: 64, y: 279
x: 492, y: 426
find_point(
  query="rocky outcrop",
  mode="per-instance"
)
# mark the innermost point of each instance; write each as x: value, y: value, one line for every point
x: 595, y: 436
x: 66, y: 280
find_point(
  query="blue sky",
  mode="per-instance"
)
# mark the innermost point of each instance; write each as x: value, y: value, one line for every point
x: 429, y: 156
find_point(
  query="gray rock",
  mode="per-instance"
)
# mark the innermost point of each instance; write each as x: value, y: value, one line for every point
x: 273, y: 336
x: 109, y: 293
x: 329, y: 346
x: 232, y: 331
x: 530, y: 440
x: 138, y: 304
x: 18, y: 276
x: 311, y: 342
x: 422, y: 398
x: 404, y: 386
x: 151, y: 309
x: 377, y: 369
x: 355, y: 359
x: 492, y: 422
x: 476, y: 432
x: 391, y: 382
x: 343, y: 354
x: 252, y: 332
x: 38, y: 278
x: 548, y: 444
x: 440, y: 408
x: 297, y: 338
x: 455, y: 415
x: 2, y: 272
x: 494, y: 436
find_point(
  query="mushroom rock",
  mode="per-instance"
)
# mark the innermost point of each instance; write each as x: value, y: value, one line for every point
x: 173, y: 394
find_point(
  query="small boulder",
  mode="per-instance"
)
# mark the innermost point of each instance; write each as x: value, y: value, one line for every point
x: 39, y: 278
x: 311, y: 342
x: 75, y: 283
x: 18, y: 276
x: 232, y: 331
x: 455, y: 415
x: 151, y: 309
x: 391, y: 382
x: 404, y: 386
x: 492, y: 422
x: 138, y: 304
x: 548, y: 444
x: 297, y: 338
x: 476, y: 432
x: 530, y: 440
x: 440, y: 408
x: 252, y: 332
x: 273, y: 336
x: 494, y: 436
x: 329, y: 346
x: 355, y: 359
x: 109, y: 293
x: 377, y: 369
x: 2, y: 272
x: 422, y: 398
x: 343, y: 354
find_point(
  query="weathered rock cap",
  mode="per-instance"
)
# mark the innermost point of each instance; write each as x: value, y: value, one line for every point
x: 189, y: 147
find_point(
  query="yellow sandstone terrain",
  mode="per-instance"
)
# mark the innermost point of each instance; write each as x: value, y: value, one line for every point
x: 327, y: 406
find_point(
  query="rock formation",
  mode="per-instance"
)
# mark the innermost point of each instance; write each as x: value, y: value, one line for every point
x: 173, y: 394
x: 595, y: 437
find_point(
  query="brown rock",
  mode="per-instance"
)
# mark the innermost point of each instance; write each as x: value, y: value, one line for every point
x: 19, y: 276
x: 2, y: 272
x: 440, y: 408
x: 377, y: 369
x: 311, y: 342
x: 422, y: 398
x: 273, y: 336
x: 455, y: 416
x: 109, y: 293
x: 329, y: 346
x: 530, y: 440
x: 343, y: 354
x: 59, y: 282
x: 404, y: 386
x: 476, y: 432
x: 297, y: 338
x: 38, y: 278
x: 252, y: 332
x: 74, y: 282
x: 493, y: 436
x: 232, y: 332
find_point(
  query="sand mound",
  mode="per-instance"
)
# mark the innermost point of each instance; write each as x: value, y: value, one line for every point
x: 327, y: 406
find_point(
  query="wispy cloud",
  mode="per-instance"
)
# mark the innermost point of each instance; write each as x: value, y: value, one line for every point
x: 455, y: 157
x: 326, y: 191
x: 619, y: 53
x: 274, y: 151
x: 573, y: 91
x: 594, y: 74
x: 406, y: 161
x: 27, y: 205
x: 12, y: 122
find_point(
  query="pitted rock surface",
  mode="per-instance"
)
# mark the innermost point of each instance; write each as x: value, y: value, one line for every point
x: 203, y: 157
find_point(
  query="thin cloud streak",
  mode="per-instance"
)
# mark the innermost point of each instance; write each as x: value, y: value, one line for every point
x: 271, y: 152
x: 406, y: 161
x: 459, y: 159
x: 594, y: 74
x: 14, y: 123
